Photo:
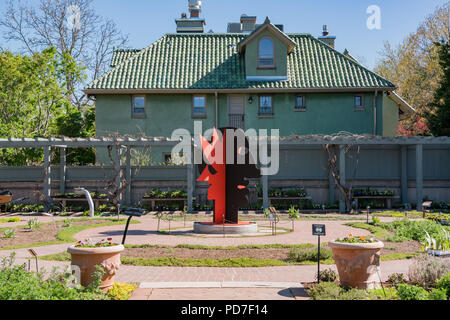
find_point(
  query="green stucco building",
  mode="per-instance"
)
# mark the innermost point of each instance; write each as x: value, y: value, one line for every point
x: 253, y: 76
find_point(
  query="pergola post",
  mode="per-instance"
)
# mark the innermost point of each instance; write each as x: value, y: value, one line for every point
x: 342, y: 176
x: 62, y: 170
x: 404, y: 173
x: 117, y: 171
x: 419, y: 176
x: 128, y: 177
x: 265, y: 191
x: 47, y: 174
x: 190, y: 180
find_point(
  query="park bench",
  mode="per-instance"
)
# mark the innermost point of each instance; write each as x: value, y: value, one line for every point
x: 5, y: 198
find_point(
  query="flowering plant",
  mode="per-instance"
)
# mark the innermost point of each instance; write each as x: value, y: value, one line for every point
x: 89, y: 243
x: 356, y: 239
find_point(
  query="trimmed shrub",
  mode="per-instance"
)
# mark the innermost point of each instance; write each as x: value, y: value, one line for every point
x: 386, y: 294
x: 121, y: 291
x: 18, y: 284
x: 444, y: 283
x: 325, y: 291
x: 426, y: 270
x: 327, y: 275
x: 411, y: 292
x: 331, y: 291
x: 396, y: 279
x: 302, y: 254
x: 437, y: 294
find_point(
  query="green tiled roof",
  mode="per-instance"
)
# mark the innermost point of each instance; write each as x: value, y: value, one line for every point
x: 121, y: 55
x: 211, y: 61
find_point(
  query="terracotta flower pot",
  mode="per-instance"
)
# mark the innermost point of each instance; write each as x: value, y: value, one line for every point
x: 357, y: 263
x: 87, y: 258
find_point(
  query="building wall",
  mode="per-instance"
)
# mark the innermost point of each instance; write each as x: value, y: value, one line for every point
x: 326, y: 113
x: 390, y: 117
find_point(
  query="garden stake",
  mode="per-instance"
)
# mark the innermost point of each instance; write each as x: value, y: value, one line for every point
x: 34, y: 254
x: 368, y: 211
x: 318, y: 260
x: 381, y: 283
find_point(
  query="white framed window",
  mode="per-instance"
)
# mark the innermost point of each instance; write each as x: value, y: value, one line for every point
x: 300, y: 103
x: 266, y: 53
x: 359, y: 102
x: 265, y: 105
x: 138, y: 107
x: 198, y: 106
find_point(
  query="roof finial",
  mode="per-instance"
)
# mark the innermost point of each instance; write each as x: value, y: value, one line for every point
x: 267, y: 20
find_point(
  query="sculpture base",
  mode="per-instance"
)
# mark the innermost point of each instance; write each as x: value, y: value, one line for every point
x: 228, y: 228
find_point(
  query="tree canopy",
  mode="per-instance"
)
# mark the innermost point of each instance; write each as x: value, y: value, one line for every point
x: 438, y: 113
x: 414, y: 67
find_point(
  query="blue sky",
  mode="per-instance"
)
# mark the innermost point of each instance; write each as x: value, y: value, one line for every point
x: 147, y: 20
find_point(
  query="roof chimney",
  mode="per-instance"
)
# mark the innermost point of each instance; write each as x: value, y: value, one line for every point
x: 193, y: 24
x: 326, y: 38
x: 195, y: 7
x: 248, y: 23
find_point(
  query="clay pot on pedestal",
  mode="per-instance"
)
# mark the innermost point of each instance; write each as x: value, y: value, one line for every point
x: 87, y: 258
x: 357, y: 263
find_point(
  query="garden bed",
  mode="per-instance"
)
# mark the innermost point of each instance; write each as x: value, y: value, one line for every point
x: 50, y: 233
x: 241, y: 256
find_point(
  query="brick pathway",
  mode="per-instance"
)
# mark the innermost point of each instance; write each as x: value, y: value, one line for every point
x: 145, y: 233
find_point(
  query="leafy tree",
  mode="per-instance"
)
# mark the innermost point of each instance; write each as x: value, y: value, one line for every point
x: 414, y: 67
x: 74, y: 123
x: 33, y: 94
x: 71, y: 27
x: 438, y: 115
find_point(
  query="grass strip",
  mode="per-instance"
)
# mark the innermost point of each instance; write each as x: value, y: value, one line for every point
x: 244, y: 246
x: 189, y: 262
x: 66, y: 235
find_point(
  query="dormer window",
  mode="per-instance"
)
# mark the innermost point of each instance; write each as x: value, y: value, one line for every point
x: 266, y: 53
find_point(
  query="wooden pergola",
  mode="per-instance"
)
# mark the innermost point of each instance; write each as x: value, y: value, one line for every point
x: 290, y: 142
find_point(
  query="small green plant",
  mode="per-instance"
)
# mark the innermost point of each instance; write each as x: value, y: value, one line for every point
x: 396, y: 279
x: 325, y: 291
x: 293, y: 214
x: 327, y: 275
x: 437, y: 294
x: 383, y: 294
x: 18, y: 284
x: 356, y: 239
x: 87, y: 213
x: 88, y: 243
x: 10, y: 220
x: 444, y: 283
x: 440, y: 242
x: 331, y: 291
x: 305, y: 254
x: 9, y: 233
x: 375, y: 221
x: 121, y: 291
x: 411, y: 292
x: 33, y: 224
x: 67, y: 223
